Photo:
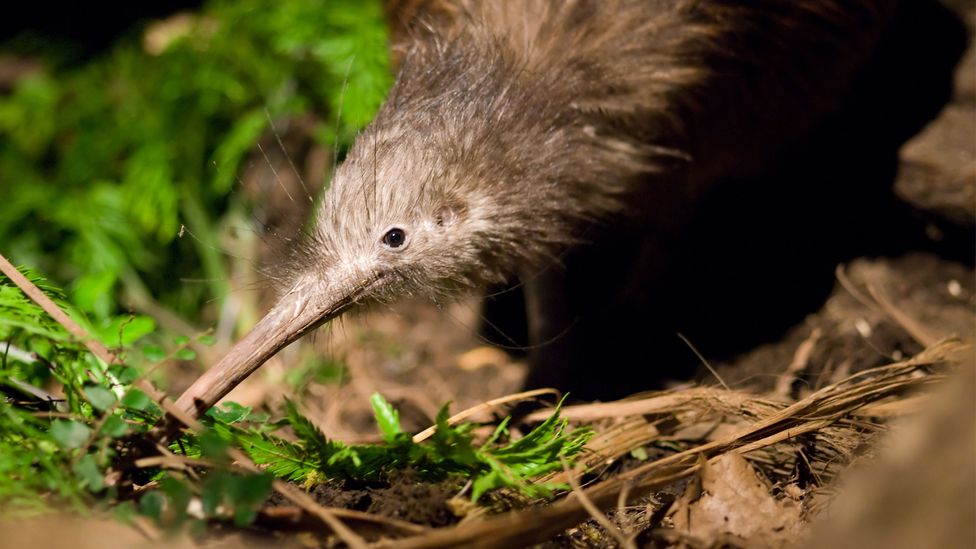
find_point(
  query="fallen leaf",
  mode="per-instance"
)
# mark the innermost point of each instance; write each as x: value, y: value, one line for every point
x: 733, y: 500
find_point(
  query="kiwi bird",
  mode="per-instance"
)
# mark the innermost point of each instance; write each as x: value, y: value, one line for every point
x: 514, y: 127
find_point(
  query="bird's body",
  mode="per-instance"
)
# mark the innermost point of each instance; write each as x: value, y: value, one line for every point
x: 529, y: 121
x: 515, y: 130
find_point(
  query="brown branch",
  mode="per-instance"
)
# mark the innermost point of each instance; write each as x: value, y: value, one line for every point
x: 51, y: 308
x: 483, y: 407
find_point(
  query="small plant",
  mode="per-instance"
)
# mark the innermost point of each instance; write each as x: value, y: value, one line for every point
x: 55, y: 448
x: 497, y: 462
x: 72, y: 447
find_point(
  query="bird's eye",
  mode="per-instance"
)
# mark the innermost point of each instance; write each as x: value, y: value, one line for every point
x: 394, y: 238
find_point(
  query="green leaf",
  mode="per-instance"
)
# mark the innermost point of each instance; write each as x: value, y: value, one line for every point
x: 124, y: 374
x: 185, y: 354
x: 115, y: 426
x: 93, y: 293
x: 247, y: 494
x: 230, y: 412
x: 152, y: 505
x: 450, y: 451
x: 306, y: 431
x: 178, y: 496
x: 387, y: 418
x: 136, y: 399
x: 88, y: 471
x: 281, y: 458
x: 69, y: 433
x: 212, y: 493
x: 238, y: 142
x: 213, y: 446
x: 489, y: 481
x: 99, y: 397
x: 125, y: 330
x: 242, y: 493
x: 154, y: 353
x: 124, y: 512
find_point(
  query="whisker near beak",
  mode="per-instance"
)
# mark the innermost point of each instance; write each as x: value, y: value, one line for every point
x: 300, y: 311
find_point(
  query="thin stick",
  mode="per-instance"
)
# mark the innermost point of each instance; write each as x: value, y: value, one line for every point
x: 291, y: 515
x: 848, y: 285
x: 703, y: 361
x: 915, y: 329
x: 489, y: 405
x: 595, y: 511
x: 309, y: 505
x: 801, y: 359
x: 275, y: 173
x: 284, y: 151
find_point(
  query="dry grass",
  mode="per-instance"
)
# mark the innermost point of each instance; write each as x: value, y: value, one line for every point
x: 823, y: 431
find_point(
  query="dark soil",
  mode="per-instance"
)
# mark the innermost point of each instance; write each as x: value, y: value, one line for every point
x: 402, y: 497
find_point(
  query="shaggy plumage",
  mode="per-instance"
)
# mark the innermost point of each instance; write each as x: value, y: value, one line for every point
x: 515, y: 124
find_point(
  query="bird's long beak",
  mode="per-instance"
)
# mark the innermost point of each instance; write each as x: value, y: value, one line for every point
x: 301, y: 310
